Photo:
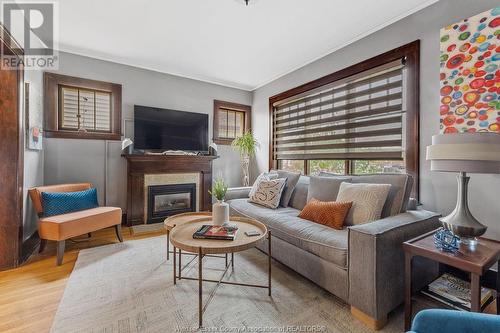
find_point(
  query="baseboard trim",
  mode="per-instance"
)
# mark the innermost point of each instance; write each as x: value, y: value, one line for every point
x: 370, y: 322
x: 28, y: 247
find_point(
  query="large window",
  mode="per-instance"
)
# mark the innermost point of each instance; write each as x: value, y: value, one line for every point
x: 360, y: 120
x: 81, y: 108
x: 230, y: 121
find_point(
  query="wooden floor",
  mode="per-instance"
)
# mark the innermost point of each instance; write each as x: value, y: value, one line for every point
x: 30, y: 294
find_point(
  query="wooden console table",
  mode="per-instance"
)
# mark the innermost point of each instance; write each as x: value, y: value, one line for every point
x: 139, y: 165
x: 476, y: 262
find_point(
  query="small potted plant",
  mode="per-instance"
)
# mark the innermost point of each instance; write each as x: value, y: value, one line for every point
x: 247, y: 145
x: 220, y: 209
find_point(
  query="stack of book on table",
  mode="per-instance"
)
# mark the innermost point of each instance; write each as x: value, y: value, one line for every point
x: 455, y: 292
x: 223, y: 232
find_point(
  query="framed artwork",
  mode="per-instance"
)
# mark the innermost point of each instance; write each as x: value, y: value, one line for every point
x: 470, y: 74
x: 33, y: 121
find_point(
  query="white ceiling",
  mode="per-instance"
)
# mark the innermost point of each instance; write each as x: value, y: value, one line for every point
x: 222, y: 41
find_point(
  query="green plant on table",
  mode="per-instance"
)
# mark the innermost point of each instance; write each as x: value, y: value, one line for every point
x: 219, y: 189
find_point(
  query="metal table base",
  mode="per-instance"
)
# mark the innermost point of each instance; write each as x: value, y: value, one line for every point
x: 228, y: 263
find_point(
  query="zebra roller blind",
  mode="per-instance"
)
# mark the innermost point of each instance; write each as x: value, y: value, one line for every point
x: 359, y: 117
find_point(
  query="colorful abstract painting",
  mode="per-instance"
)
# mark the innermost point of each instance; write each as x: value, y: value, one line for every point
x: 470, y: 74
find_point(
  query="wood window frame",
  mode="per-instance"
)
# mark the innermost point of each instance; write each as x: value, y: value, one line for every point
x: 52, y: 112
x: 218, y: 105
x: 60, y: 104
x: 411, y: 53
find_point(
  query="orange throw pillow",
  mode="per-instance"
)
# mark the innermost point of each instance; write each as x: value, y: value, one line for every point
x: 329, y: 213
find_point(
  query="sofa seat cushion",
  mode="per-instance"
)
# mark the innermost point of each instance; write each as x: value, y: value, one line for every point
x: 60, y: 227
x: 244, y: 207
x: 284, y: 223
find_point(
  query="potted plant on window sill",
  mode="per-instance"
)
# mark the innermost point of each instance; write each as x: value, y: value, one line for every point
x: 220, y: 209
x: 247, y: 145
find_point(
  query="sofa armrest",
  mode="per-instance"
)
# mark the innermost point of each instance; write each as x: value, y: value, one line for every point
x: 376, y: 261
x: 237, y: 192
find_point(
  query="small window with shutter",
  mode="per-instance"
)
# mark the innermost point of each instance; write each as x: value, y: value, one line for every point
x: 81, y: 108
x: 231, y: 120
x: 84, y: 110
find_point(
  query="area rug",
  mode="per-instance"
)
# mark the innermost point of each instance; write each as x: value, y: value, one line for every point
x: 128, y: 287
x: 147, y: 228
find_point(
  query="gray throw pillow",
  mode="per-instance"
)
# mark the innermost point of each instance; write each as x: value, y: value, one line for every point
x: 292, y: 179
x: 325, y: 188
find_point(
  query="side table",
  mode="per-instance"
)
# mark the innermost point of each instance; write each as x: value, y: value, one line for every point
x: 476, y: 262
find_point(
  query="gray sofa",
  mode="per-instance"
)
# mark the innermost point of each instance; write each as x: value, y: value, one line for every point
x: 364, y: 264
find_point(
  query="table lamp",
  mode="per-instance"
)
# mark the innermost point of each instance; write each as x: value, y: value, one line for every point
x: 463, y: 153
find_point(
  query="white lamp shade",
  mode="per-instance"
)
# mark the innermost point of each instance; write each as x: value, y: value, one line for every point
x: 465, y: 152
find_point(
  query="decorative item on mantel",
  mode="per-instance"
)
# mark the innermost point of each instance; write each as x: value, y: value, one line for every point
x: 128, y: 143
x: 247, y: 145
x: 464, y: 152
x: 220, y: 209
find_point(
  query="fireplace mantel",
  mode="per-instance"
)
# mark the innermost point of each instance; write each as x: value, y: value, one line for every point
x: 139, y: 165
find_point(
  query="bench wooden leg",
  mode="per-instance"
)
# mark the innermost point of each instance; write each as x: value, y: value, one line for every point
x: 118, y: 230
x: 60, y: 252
x: 43, y: 242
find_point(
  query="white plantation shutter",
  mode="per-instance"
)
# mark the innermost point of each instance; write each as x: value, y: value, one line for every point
x: 103, y: 111
x: 85, y: 109
x: 69, y: 100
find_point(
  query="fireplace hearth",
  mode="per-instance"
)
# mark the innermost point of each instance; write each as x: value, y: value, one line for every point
x: 167, y: 200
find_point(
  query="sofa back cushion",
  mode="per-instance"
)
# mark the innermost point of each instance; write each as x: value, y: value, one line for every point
x: 299, y: 195
x: 399, y: 193
x: 291, y: 181
x: 325, y: 188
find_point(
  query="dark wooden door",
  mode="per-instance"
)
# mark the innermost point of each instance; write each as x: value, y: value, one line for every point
x: 11, y: 159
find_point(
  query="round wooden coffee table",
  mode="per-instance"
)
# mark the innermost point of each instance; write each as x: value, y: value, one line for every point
x: 171, y: 221
x: 181, y: 237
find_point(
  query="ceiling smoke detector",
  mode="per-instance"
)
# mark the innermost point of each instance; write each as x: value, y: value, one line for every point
x: 247, y: 2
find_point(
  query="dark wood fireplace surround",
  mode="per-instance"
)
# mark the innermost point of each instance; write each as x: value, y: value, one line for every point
x: 140, y: 165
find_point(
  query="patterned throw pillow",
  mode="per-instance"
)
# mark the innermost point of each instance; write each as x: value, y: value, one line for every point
x: 261, y: 177
x: 269, y: 192
x: 329, y: 213
x: 57, y: 203
x: 367, y: 201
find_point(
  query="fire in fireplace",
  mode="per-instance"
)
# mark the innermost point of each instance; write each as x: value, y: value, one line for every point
x: 166, y: 200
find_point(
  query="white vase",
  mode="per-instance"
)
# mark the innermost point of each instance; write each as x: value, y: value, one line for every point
x: 220, y: 213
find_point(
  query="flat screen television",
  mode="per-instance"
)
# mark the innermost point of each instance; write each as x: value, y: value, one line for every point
x: 162, y: 129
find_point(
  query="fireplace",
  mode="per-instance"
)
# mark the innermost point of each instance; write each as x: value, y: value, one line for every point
x: 166, y: 200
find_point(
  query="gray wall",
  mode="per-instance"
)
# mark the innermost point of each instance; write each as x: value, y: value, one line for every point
x: 438, y: 190
x: 70, y: 160
x: 33, y: 159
